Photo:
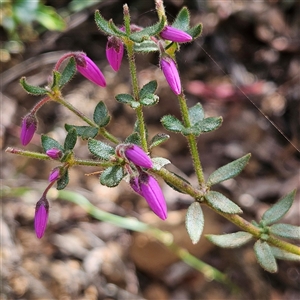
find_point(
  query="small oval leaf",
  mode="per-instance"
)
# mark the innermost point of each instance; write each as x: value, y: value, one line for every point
x: 265, y: 256
x: 112, y: 176
x: 68, y: 72
x: 196, y: 114
x: 278, y: 210
x: 194, y: 222
x: 228, y: 171
x: 222, y: 203
x: 158, y: 139
x: 71, y: 139
x: 49, y: 143
x: 171, y: 123
x: 159, y: 162
x: 286, y: 231
x: 101, y: 116
x: 100, y: 149
x: 230, y: 240
x: 63, y: 181
x: 284, y: 255
x: 31, y: 89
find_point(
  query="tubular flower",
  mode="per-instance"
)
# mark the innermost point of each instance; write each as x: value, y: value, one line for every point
x: 170, y: 71
x: 148, y: 187
x: 89, y: 69
x: 114, y: 52
x: 41, y: 217
x: 28, y: 128
x: 138, y: 156
x: 54, y: 153
x: 54, y: 174
x: 175, y: 35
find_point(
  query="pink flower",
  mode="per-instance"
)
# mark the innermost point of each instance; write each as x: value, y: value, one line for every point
x: 89, y: 69
x: 41, y: 217
x: 175, y: 35
x: 114, y: 52
x: 138, y: 156
x: 170, y: 71
x: 28, y: 128
x: 54, y: 153
x: 54, y: 175
x: 147, y: 186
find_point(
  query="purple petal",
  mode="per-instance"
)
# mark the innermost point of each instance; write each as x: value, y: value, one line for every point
x: 114, y: 52
x: 138, y: 156
x: 54, y: 175
x: 41, y: 217
x: 54, y: 153
x: 28, y: 128
x: 89, y: 69
x: 152, y: 192
x: 175, y: 35
x: 170, y: 71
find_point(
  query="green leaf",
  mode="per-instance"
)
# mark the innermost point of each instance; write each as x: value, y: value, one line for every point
x: 148, y: 88
x: 149, y: 100
x: 182, y: 20
x: 63, y: 181
x: 68, y: 72
x: 49, y: 143
x: 196, y: 114
x: 281, y: 254
x: 222, y: 203
x: 134, y: 138
x: 100, y: 149
x: 194, y: 222
x: 55, y: 79
x: 209, y: 124
x: 158, y: 139
x: 277, y: 211
x: 71, y: 139
x: 118, y: 32
x: 171, y: 123
x: 112, y: 176
x: 145, y: 33
x: 265, y: 256
x: 145, y: 47
x: 31, y: 89
x: 49, y: 18
x: 102, y: 24
x: 124, y: 98
x: 159, y: 162
x: 195, y: 31
x: 230, y: 240
x: 101, y: 116
x: 85, y: 132
x: 286, y: 231
x: 228, y: 171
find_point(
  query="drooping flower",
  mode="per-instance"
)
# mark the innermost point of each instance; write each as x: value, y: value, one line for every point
x: 148, y: 187
x: 175, y: 35
x: 138, y: 156
x: 114, y: 52
x: 41, y: 217
x: 170, y: 71
x: 54, y: 174
x: 89, y: 69
x: 54, y: 153
x: 28, y: 128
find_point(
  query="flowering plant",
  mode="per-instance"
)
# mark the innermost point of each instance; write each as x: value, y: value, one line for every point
x: 130, y: 157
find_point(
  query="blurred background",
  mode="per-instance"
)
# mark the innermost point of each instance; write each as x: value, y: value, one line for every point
x: 244, y: 67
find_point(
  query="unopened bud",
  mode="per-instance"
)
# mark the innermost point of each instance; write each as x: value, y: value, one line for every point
x: 41, y: 217
x: 28, y: 128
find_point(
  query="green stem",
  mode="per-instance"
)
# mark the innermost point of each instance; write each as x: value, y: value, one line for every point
x: 29, y: 154
x: 191, y: 140
x: 233, y: 218
x: 82, y: 116
x: 134, y: 80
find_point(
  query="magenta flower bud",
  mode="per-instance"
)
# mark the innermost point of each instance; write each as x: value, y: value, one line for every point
x: 114, y: 52
x: 175, y: 35
x: 41, y: 217
x: 54, y: 174
x: 170, y: 71
x: 54, y: 153
x: 138, y: 156
x: 28, y: 128
x: 135, y: 185
x: 89, y: 69
x: 152, y: 192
